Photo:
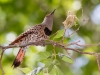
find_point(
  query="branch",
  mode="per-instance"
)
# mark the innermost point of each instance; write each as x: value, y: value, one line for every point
x: 47, y: 42
x: 64, y: 47
x: 53, y: 43
x: 23, y: 45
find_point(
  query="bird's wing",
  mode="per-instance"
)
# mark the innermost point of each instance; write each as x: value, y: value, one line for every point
x: 26, y: 33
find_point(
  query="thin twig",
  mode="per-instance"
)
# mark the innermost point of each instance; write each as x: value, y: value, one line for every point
x: 98, y: 62
x: 63, y: 35
x: 89, y: 45
x: 73, y: 43
x: 54, y: 34
x: 1, y: 67
x: 74, y: 31
x: 86, y: 45
x: 1, y: 55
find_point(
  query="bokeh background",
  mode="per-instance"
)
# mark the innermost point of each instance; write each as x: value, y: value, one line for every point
x: 18, y: 15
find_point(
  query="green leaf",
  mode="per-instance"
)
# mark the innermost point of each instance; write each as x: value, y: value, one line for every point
x: 36, y: 71
x: 25, y: 70
x: 57, y: 39
x: 43, y: 55
x: 65, y: 40
x: 40, y: 73
x: 67, y: 59
x: 55, y: 62
x: 59, y: 34
x: 43, y: 72
x: 61, y: 55
x: 56, y: 71
x: 47, y: 62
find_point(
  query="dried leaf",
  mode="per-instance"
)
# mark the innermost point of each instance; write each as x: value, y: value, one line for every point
x: 70, y: 20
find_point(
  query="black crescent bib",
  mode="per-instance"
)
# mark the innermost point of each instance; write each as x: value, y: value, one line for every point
x: 47, y: 31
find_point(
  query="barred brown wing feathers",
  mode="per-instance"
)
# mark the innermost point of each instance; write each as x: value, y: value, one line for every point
x: 33, y: 30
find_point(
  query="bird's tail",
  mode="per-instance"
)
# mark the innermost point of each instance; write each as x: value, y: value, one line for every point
x: 19, y: 57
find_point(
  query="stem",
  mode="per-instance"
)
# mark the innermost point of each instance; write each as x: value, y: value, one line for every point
x: 63, y: 35
x: 54, y: 51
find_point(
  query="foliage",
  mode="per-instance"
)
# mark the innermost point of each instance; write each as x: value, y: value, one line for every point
x: 19, y: 15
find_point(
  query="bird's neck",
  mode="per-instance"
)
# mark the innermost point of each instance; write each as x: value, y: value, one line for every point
x: 48, y: 24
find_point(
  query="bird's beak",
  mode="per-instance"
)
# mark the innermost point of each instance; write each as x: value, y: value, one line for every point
x: 52, y: 12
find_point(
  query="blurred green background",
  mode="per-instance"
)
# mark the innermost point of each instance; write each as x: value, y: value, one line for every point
x: 18, y: 15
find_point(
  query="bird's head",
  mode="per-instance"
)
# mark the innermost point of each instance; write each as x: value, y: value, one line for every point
x: 48, y: 20
x: 50, y: 15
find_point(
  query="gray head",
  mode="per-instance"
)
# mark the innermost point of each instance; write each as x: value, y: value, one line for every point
x: 48, y: 20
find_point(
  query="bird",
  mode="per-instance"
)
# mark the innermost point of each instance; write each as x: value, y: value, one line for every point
x: 39, y: 32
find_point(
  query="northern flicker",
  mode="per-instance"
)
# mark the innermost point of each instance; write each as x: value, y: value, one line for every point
x: 36, y: 33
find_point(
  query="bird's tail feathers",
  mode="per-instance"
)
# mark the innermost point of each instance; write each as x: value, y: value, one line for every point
x: 19, y: 57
